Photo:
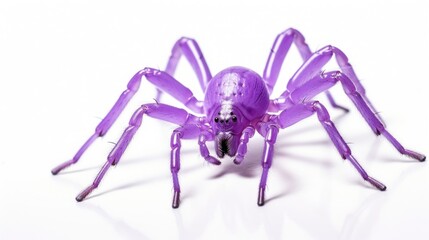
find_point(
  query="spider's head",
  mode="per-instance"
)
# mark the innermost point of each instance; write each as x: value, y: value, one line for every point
x: 228, y: 124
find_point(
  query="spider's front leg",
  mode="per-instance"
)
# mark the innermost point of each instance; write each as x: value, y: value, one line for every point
x: 269, y: 131
x: 189, y: 131
x: 159, y: 111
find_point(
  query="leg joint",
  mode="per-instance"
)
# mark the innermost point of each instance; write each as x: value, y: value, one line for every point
x: 321, y: 111
x: 175, y: 139
x: 271, y: 136
x: 136, y: 119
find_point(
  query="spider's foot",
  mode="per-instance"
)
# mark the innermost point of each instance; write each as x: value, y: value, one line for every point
x: 85, y: 193
x: 238, y: 159
x: 176, y: 199
x: 380, y: 186
x: 60, y: 167
x: 213, y: 160
x: 56, y: 170
x: 415, y: 155
x: 261, y: 196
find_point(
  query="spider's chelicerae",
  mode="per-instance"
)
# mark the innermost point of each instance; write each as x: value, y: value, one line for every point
x: 237, y: 103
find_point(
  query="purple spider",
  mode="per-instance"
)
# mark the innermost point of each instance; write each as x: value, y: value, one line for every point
x: 237, y: 102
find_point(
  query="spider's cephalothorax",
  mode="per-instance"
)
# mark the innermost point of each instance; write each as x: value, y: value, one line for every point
x: 238, y: 102
x: 234, y: 98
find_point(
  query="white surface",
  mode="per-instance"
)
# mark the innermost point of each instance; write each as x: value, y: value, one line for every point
x: 63, y: 65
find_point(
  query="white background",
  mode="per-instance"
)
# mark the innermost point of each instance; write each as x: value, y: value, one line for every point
x: 64, y: 63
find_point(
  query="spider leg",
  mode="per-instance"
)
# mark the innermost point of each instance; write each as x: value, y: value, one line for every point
x: 158, y: 111
x: 320, y: 83
x: 190, y: 48
x: 301, y: 111
x: 105, y: 124
x: 314, y: 66
x: 277, y: 55
x: 269, y: 131
x: 189, y: 131
x: 162, y: 81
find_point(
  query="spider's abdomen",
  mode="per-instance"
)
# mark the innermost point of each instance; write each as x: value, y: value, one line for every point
x: 239, y: 87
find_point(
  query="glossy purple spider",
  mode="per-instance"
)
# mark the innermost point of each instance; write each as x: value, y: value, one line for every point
x: 237, y: 102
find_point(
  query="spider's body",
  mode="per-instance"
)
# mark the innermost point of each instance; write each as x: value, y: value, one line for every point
x: 237, y: 104
x: 234, y: 98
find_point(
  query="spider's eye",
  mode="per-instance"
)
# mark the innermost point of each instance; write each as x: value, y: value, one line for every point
x: 216, y: 119
x: 234, y: 118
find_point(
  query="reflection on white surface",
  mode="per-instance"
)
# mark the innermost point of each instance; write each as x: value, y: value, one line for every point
x: 64, y: 65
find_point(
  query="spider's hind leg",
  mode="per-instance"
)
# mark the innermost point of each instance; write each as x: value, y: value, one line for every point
x: 321, y: 83
x: 277, y: 55
x: 307, y: 83
x: 372, y: 119
x: 193, y: 54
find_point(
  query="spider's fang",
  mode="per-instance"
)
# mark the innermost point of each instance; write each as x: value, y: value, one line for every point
x: 223, y: 145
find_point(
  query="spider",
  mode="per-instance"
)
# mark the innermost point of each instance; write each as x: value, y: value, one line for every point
x: 237, y: 103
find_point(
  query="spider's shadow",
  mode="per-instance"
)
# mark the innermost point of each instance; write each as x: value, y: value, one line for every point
x: 247, y: 169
